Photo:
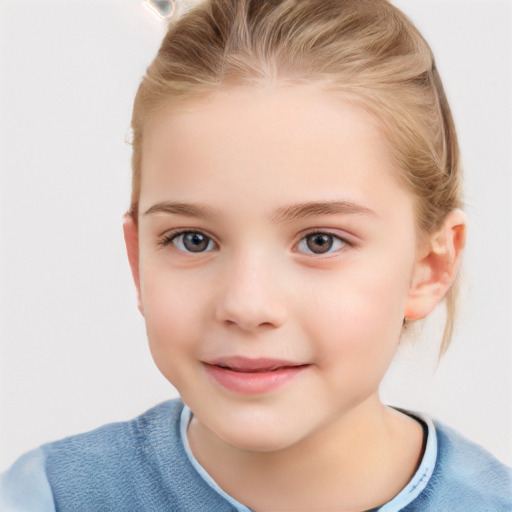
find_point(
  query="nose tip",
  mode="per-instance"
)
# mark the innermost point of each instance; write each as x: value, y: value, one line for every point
x: 249, y: 315
x: 250, y: 304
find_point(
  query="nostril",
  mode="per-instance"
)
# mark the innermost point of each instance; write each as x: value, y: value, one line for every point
x: 248, y: 317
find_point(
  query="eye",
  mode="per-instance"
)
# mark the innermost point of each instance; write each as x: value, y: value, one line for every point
x: 189, y: 241
x: 320, y: 243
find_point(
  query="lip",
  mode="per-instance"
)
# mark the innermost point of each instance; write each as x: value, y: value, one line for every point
x: 252, y: 376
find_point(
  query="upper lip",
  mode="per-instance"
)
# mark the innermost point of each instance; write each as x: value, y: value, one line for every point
x: 249, y: 365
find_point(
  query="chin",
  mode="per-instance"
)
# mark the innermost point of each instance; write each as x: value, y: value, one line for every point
x: 258, y: 436
x: 259, y: 443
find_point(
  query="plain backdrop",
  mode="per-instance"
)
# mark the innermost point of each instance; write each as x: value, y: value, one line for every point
x: 73, y: 349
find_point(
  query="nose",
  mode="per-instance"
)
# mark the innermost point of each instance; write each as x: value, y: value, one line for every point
x: 250, y: 298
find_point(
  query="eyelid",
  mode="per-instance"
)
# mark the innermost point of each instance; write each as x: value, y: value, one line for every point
x: 166, y: 239
x: 343, y: 236
x: 337, y: 232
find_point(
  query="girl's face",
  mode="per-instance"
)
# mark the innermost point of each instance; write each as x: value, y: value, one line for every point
x: 277, y: 252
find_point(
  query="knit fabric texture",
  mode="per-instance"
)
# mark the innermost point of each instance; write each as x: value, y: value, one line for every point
x: 142, y: 465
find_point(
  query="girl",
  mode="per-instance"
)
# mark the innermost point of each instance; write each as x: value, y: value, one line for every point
x: 295, y: 209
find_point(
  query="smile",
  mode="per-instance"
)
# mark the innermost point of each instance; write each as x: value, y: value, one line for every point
x: 252, y: 376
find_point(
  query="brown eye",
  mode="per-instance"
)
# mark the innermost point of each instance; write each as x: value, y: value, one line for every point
x: 192, y: 241
x: 320, y: 243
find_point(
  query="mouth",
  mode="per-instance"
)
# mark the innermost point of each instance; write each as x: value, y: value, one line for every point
x: 253, y: 376
x: 247, y: 365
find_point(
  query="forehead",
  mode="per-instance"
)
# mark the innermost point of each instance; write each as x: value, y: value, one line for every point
x: 262, y: 141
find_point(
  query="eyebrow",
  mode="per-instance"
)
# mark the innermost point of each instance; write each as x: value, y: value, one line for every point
x: 283, y: 214
x: 186, y: 209
x: 314, y: 208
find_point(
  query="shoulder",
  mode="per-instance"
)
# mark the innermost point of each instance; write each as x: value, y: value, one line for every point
x: 24, y: 486
x: 139, y: 464
x: 115, y: 463
x: 100, y: 444
x: 41, y: 477
x: 465, y: 477
x: 113, y: 450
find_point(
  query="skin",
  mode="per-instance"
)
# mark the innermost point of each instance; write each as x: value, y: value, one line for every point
x: 247, y: 156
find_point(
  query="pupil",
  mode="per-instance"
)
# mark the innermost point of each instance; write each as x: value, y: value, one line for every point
x: 319, y: 243
x: 195, y: 242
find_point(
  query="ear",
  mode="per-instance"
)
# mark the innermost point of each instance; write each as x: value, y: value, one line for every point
x: 436, y: 267
x: 131, y: 239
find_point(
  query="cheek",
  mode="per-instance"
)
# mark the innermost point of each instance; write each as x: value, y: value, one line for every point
x: 173, y: 319
x: 358, y: 317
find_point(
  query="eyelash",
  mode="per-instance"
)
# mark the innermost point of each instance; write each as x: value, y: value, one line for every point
x: 170, y: 238
x: 335, y: 239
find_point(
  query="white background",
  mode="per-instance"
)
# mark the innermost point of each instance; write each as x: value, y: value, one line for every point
x: 73, y: 351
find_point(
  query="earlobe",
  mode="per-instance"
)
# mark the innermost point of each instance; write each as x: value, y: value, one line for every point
x: 437, y: 266
x: 131, y: 238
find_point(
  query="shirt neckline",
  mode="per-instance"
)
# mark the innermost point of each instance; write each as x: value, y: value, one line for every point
x: 406, y: 496
x: 186, y: 417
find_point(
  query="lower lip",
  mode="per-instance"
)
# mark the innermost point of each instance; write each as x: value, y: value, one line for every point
x: 253, y: 383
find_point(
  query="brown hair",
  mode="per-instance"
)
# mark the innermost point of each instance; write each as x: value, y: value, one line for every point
x: 366, y: 50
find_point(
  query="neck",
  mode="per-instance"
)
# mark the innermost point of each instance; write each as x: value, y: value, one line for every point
x: 360, y: 460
